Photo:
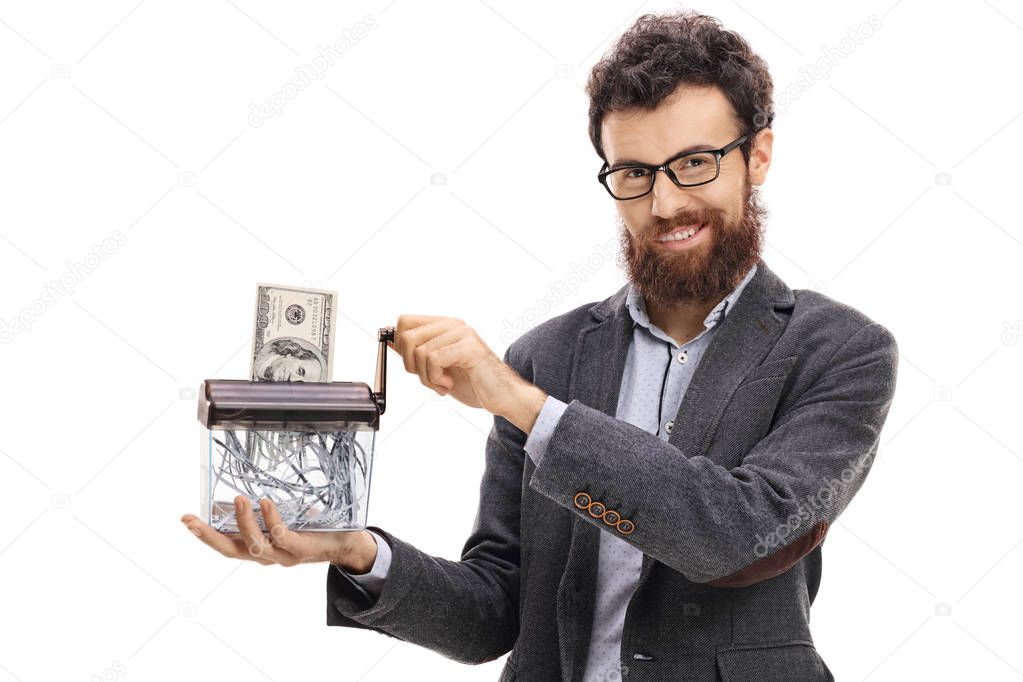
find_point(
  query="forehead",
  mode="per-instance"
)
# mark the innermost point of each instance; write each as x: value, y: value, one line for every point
x: 691, y: 116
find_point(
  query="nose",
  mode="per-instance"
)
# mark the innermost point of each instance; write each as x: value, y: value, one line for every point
x: 668, y: 199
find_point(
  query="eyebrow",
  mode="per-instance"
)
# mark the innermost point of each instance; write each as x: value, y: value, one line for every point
x: 632, y: 162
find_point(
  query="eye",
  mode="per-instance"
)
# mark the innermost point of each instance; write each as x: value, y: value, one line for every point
x: 636, y: 172
x: 694, y: 162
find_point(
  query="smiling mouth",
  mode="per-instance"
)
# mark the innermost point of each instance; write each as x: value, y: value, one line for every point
x: 681, y: 234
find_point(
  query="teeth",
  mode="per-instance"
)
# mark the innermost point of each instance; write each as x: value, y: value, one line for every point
x: 679, y: 236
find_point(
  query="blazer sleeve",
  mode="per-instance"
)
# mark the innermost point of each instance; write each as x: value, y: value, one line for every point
x: 373, y: 580
x: 466, y: 610
x: 724, y: 527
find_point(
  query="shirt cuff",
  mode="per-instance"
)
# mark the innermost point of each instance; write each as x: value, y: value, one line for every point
x: 373, y: 582
x: 546, y: 422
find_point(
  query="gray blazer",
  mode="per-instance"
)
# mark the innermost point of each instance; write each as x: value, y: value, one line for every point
x: 776, y: 433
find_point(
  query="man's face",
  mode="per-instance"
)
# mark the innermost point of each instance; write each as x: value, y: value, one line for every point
x: 709, y: 264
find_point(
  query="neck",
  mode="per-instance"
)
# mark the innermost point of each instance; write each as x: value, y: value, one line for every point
x: 683, y: 320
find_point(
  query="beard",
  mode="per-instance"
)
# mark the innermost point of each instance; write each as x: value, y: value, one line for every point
x: 705, y: 273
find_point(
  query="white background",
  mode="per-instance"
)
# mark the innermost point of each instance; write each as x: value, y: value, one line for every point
x: 892, y: 189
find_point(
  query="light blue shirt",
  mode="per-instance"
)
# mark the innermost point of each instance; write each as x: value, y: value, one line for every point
x: 656, y: 375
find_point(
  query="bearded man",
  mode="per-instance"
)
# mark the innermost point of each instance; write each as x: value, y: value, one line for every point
x: 664, y: 464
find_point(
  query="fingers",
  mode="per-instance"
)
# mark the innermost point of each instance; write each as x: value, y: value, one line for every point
x: 256, y: 543
x: 187, y: 520
x: 409, y: 339
x: 435, y: 356
x: 430, y: 348
x: 285, y: 546
x: 407, y: 323
x: 233, y: 548
x: 288, y: 544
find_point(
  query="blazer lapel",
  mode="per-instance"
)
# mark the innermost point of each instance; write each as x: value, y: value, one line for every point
x: 744, y: 337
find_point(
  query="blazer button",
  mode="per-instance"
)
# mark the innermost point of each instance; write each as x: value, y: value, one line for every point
x: 582, y: 500
x: 611, y: 517
x: 625, y: 526
x: 596, y: 509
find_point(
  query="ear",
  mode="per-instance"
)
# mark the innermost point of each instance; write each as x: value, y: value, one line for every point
x: 760, y: 156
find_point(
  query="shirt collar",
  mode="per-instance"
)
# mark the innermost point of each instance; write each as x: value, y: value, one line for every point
x: 637, y: 306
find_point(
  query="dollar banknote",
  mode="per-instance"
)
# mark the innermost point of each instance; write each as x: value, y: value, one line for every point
x: 293, y: 336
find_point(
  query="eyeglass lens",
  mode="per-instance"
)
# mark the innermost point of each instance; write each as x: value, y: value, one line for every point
x: 690, y: 170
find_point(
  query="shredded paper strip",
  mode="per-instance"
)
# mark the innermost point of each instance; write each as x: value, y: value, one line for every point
x: 317, y: 480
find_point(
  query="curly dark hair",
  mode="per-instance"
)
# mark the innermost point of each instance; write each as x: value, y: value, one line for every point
x: 659, y: 52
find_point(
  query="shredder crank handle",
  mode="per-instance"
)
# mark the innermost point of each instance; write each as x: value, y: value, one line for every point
x: 384, y: 335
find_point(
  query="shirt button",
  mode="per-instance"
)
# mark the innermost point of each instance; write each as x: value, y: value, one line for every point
x: 667, y: 427
x: 683, y: 356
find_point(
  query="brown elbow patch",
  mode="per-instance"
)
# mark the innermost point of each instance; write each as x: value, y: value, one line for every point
x: 777, y: 563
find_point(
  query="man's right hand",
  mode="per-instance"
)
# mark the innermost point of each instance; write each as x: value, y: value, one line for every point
x: 353, y: 551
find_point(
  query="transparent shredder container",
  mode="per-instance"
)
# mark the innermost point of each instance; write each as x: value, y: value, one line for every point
x: 307, y: 446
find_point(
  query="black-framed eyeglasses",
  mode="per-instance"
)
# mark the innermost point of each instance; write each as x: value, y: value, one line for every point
x: 689, y: 169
